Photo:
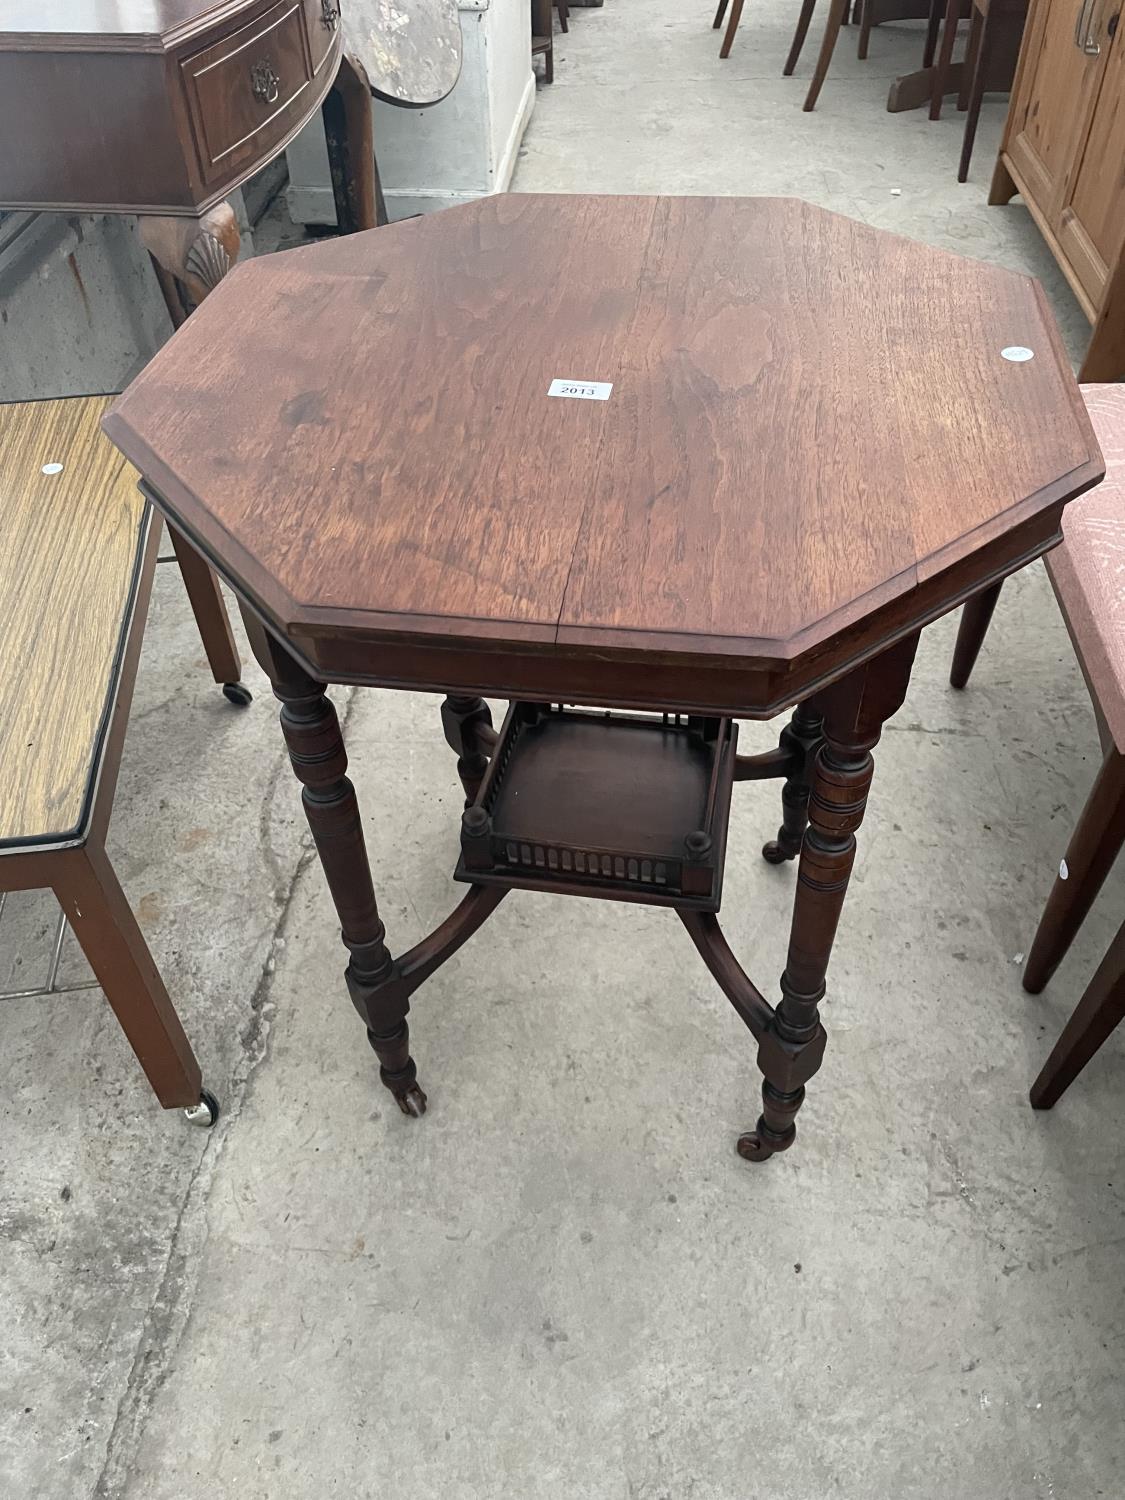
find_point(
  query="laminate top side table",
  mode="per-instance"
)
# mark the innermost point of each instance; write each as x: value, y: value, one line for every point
x: 738, y: 470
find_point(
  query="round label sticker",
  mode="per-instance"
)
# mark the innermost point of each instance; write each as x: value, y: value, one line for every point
x: 52, y: 468
x: 1017, y: 354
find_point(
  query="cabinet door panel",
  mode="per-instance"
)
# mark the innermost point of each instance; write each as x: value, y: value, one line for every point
x: 1092, y: 227
x: 1052, y: 115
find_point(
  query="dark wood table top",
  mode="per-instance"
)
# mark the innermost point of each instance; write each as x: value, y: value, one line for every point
x: 813, y: 445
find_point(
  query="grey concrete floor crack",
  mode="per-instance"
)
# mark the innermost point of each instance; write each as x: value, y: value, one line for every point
x: 169, y: 1314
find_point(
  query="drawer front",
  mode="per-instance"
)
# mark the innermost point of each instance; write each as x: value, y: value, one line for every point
x: 322, y: 17
x: 248, y: 89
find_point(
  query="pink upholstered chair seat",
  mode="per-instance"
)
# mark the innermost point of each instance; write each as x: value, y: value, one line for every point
x: 1088, y: 569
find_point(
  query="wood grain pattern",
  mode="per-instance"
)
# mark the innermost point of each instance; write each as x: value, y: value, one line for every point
x: 71, y: 545
x: 145, y: 106
x: 812, y: 444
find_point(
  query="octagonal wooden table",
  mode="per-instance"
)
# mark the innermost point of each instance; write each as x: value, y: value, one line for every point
x: 737, y: 469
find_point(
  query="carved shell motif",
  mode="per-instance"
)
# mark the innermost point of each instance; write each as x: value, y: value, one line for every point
x: 208, y: 260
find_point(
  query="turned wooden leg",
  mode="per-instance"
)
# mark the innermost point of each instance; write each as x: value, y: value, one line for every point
x: 316, y: 750
x: 88, y: 891
x: 468, y: 731
x: 1100, y: 1010
x: 351, y: 150
x: 807, y: 8
x: 791, y: 1048
x: 976, y: 613
x: 800, y: 739
x: 827, y: 47
x: 732, y: 27
x: 1093, y: 848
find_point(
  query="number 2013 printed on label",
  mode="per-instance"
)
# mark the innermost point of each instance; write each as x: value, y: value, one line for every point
x: 582, y: 390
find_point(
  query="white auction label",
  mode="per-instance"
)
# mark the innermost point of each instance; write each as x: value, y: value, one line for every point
x: 1017, y: 354
x: 581, y: 390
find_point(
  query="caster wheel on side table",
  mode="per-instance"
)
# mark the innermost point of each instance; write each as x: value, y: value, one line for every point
x: 205, y: 1113
x: 412, y: 1103
x: 774, y: 854
x: 752, y: 1147
x: 238, y: 694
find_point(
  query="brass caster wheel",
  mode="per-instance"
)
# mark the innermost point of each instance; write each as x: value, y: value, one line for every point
x: 412, y: 1103
x: 238, y: 694
x: 205, y: 1113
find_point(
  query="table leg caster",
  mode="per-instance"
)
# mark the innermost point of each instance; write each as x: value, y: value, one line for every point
x: 238, y: 694
x: 756, y: 1145
x: 412, y: 1103
x: 774, y: 854
x: 205, y: 1113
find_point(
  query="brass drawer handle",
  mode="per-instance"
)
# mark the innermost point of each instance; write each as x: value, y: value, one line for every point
x: 265, y: 81
x: 329, y: 14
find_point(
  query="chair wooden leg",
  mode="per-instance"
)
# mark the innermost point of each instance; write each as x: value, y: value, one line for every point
x: 807, y: 8
x: 972, y: 52
x: 564, y: 15
x: 1093, y: 847
x: 975, y: 616
x: 827, y: 47
x: 95, y: 905
x: 732, y: 27
x: 210, y: 611
x: 933, y: 30
x: 719, y: 14
x: 1096, y: 1015
x: 980, y: 52
x: 867, y: 15
x: 945, y: 57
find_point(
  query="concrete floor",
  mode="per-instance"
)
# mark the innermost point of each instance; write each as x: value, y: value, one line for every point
x: 564, y: 1282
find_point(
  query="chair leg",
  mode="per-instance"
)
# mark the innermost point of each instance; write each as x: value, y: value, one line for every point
x: 807, y: 8
x: 732, y: 27
x: 210, y: 611
x: 719, y: 14
x: 867, y: 16
x: 945, y: 57
x: 1095, y: 1016
x: 972, y: 51
x: 933, y: 28
x: 827, y: 47
x: 975, y: 616
x: 95, y: 905
x: 981, y: 54
x: 564, y: 15
x: 1093, y: 847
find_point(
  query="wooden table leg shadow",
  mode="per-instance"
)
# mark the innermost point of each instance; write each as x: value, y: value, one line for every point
x: 824, y: 756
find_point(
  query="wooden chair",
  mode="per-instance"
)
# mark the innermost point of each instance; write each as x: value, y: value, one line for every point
x: 76, y: 571
x: 996, y: 25
x: 1085, y: 572
x: 543, y: 37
